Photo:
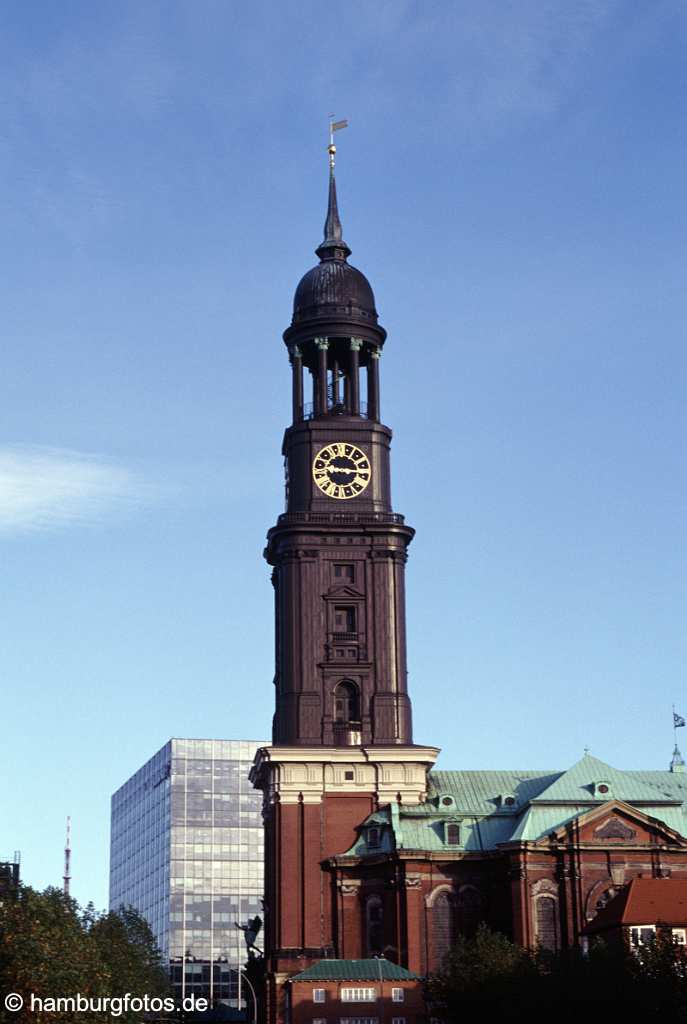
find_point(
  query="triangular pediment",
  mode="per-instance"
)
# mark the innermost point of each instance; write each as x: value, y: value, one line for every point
x: 612, y: 822
x: 343, y: 593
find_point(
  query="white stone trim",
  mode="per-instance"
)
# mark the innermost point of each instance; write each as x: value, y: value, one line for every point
x: 443, y: 887
x: 307, y: 774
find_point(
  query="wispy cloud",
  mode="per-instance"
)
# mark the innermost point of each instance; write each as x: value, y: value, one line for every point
x: 49, y: 488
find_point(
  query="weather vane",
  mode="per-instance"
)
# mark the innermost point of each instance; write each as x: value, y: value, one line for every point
x: 334, y: 126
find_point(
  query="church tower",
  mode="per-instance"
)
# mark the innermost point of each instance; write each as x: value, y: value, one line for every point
x: 342, y: 728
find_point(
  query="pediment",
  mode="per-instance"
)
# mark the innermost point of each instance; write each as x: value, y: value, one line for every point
x: 613, y: 822
x: 344, y: 593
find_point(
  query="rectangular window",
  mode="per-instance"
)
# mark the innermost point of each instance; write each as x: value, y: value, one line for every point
x: 319, y: 1020
x: 358, y: 995
x: 679, y: 936
x: 344, y: 620
x: 318, y: 995
x: 344, y: 572
x: 358, y: 1020
x: 373, y: 837
x: 642, y: 935
x: 398, y: 1020
x: 452, y: 831
x: 397, y: 995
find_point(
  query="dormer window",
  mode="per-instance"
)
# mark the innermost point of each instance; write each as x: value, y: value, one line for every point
x: 452, y: 833
x: 602, y: 789
x: 507, y: 801
x: 374, y: 838
x: 445, y: 802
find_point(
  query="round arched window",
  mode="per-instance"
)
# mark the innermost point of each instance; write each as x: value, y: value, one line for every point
x: 346, y: 702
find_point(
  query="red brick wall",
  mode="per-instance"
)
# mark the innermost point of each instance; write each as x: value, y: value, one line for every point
x: 304, y: 1010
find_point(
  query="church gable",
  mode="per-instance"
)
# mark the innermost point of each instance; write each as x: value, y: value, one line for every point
x: 616, y: 823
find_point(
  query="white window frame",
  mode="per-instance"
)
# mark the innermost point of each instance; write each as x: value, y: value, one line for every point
x: 679, y: 936
x: 398, y: 1020
x: 635, y: 934
x: 319, y: 995
x: 358, y: 994
x: 397, y: 995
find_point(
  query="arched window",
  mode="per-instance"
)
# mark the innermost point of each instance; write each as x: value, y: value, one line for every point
x: 443, y: 925
x: 605, y: 897
x: 374, y: 926
x: 346, y: 703
x: 547, y: 922
x: 469, y: 911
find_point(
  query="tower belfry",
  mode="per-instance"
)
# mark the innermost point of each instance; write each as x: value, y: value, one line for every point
x: 342, y: 728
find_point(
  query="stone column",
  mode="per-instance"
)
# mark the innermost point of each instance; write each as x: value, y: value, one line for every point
x: 373, y: 384
x: 322, y: 405
x: 297, y: 391
x: 354, y: 377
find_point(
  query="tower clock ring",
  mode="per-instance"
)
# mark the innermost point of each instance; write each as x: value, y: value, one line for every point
x: 341, y: 470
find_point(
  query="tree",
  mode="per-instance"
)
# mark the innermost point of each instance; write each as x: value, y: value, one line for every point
x: 490, y: 974
x: 485, y: 973
x: 51, y: 948
x: 126, y: 944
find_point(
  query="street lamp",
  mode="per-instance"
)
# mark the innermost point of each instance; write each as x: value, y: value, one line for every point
x: 250, y: 985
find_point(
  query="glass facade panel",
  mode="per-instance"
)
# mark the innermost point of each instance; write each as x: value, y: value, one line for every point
x: 186, y: 849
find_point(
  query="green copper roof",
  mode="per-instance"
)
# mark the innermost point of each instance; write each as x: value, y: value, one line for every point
x: 478, y: 792
x: 495, y: 807
x: 577, y: 785
x: 671, y: 784
x: 376, y: 969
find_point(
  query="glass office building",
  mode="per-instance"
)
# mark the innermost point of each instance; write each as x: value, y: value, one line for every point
x: 186, y: 849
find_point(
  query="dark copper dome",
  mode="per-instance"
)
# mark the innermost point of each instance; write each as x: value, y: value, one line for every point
x: 334, y: 299
x: 334, y: 286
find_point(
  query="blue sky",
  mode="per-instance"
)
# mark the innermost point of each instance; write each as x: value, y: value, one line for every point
x: 512, y: 182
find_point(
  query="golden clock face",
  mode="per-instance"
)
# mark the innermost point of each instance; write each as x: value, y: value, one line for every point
x: 341, y: 470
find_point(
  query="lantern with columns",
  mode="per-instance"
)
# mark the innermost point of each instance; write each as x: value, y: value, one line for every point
x: 334, y: 333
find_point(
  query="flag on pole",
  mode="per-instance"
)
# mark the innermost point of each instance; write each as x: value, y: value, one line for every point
x: 678, y: 720
x: 338, y: 125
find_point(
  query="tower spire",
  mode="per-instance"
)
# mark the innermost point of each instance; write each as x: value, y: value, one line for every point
x: 333, y: 247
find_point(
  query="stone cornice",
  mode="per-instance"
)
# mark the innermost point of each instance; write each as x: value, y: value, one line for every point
x: 290, y: 774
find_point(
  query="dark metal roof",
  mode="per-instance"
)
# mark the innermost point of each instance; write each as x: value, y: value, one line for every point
x: 334, y: 299
x: 333, y: 283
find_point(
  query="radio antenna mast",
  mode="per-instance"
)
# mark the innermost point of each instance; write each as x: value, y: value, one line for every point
x: 68, y: 858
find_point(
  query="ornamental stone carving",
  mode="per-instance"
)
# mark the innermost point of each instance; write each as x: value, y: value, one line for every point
x: 544, y: 885
x: 614, y: 828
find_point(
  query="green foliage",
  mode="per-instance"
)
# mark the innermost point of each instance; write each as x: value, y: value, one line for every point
x: 125, y: 942
x: 484, y: 974
x: 489, y: 974
x: 50, y: 947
